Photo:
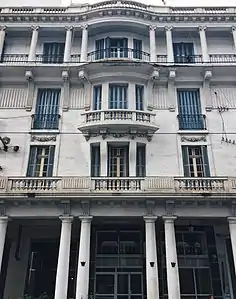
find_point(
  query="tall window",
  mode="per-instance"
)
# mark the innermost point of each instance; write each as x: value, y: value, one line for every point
x: 139, y: 95
x: 190, y: 111
x: 53, y: 52
x: 95, y: 160
x: 141, y: 160
x: 195, y: 161
x: 47, y: 108
x: 137, y: 51
x: 97, y: 97
x: 183, y: 52
x: 118, y: 96
x: 111, y: 48
x: 118, y: 161
x: 41, y: 160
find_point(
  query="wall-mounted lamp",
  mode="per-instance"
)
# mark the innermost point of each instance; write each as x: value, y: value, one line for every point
x: 173, y: 264
x: 5, y: 145
x: 82, y: 264
x: 152, y: 264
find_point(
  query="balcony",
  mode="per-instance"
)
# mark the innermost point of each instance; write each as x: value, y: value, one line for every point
x: 192, y: 122
x: 49, y: 59
x: 117, y: 54
x: 173, y: 186
x: 15, y: 58
x: 190, y: 59
x: 222, y: 58
x: 45, y: 121
x: 118, y: 120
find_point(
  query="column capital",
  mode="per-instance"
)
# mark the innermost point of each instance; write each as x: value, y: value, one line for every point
x: 152, y: 27
x: 169, y: 219
x: 168, y: 28
x: 69, y: 28
x: 66, y: 219
x: 150, y: 219
x: 4, y: 219
x: 84, y: 27
x: 202, y: 28
x: 3, y: 28
x: 86, y: 219
x: 233, y: 28
x: 34, y: 28
x: 232, y: 220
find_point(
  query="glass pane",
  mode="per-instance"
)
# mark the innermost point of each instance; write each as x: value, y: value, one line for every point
x: 122, y: 284
x: 186, y: 281
x: 203, y: 281
x: 105, y: 284
x: 135, y: 284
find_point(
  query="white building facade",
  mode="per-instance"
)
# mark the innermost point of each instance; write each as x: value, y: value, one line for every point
x: 118, y: 178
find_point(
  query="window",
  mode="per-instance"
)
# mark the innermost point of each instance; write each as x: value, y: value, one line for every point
x: 139, y: 93
x: 111, y: 48
x: 41, y: 161
x: 118, y: 96
x: 118, y: 161
x: 47, y: 108
x: 137, y: 44
x: 195, y: 161
x: 183, y: 52
x: 95, y: 160
x: 141, y: 160
x: 53, y: 52
x: 97, y: 97
x: 190, y: 111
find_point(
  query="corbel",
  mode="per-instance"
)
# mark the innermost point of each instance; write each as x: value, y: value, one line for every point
x: 66, y: 207
x: 30, y: 95
x: 206, y: 90
x: 83, y: 76
x: 66, y: 90
x: 85, y: 207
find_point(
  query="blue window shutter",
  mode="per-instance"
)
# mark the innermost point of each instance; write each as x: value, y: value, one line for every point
x: 205, y: 161
x: 50, y: 161
x: 97, y: 97
x: 107, y: 47
x: 137, y: 50
x: 99, y: 48
x: 185, y: 157
x: 32, y: 161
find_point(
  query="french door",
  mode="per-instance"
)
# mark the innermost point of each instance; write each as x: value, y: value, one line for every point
x: 118, y: 161
x: 120, y: 285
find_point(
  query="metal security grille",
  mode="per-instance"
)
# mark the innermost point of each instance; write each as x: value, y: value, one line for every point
x: 118, y: 96
x: 41, y: 160
x: 47, y: 109
x: 195, y: 161
x: 190, y: 112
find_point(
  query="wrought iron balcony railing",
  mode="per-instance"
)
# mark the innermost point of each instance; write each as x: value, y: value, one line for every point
x: 118, y: 53
x: 87, y: 185
x: 52, y: 59
x: 188, y: 59
x: 192, y: 122
x: 45, y: 121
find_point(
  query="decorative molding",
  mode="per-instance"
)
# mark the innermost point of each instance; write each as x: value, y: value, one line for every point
x: 3, y: 28
x: 69, y: 28
x: 202, y: 28
x: 66, y: 207
x: 168, y: 28
x: 84, y: 27
x: 43, y: 138
x: 35, y: 28
x: 193, y: 139
x: 152, y: 27
x: 131, y: 135
x: 85, y: 206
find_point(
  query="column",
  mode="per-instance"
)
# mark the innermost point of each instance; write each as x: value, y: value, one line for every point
x: 152, y: 41
x: 232, y: 231
x: 3, y: 231
x: 61, y: 288
x: 171, y: 258
x: 169, y: 45
x: 234, y: 36
x: 203, y: 40
x: 132, y: 157
x: 104, y: 158
x: 82, y: 283
x: 33, y: 44
x: 2, y: 38
x: 68, y: 44
x: 151, y: 258
x: 84, y: 44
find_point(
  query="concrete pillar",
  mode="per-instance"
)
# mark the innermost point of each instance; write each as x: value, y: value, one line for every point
x: 61, y: 288
x: 203, y: 40
x: 171, y: 258
x: 68, y: 44
x: 33, y: 44
x: 151, y: 258
x: 82, y: 283
x: 2, y: 39
x: 152, y: 41
x: 132, y: 158
x: 84, y: 44
x: 169, y: 45
x: 232, y: 231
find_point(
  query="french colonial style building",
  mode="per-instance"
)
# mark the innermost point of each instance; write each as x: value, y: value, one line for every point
x: 117, y: 152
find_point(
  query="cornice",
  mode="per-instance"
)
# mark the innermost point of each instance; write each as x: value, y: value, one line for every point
x: 152, y: 14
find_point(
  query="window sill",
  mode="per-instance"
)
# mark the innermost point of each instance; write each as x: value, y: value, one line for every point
x: 193, y: 131
x: 44, y: 131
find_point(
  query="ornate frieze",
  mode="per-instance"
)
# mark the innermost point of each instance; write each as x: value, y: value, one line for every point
x: 43, y: 138
x: 130, y: 135
x: 193, y: 139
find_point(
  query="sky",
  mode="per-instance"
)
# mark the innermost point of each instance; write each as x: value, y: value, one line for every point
x: 149, y: 2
